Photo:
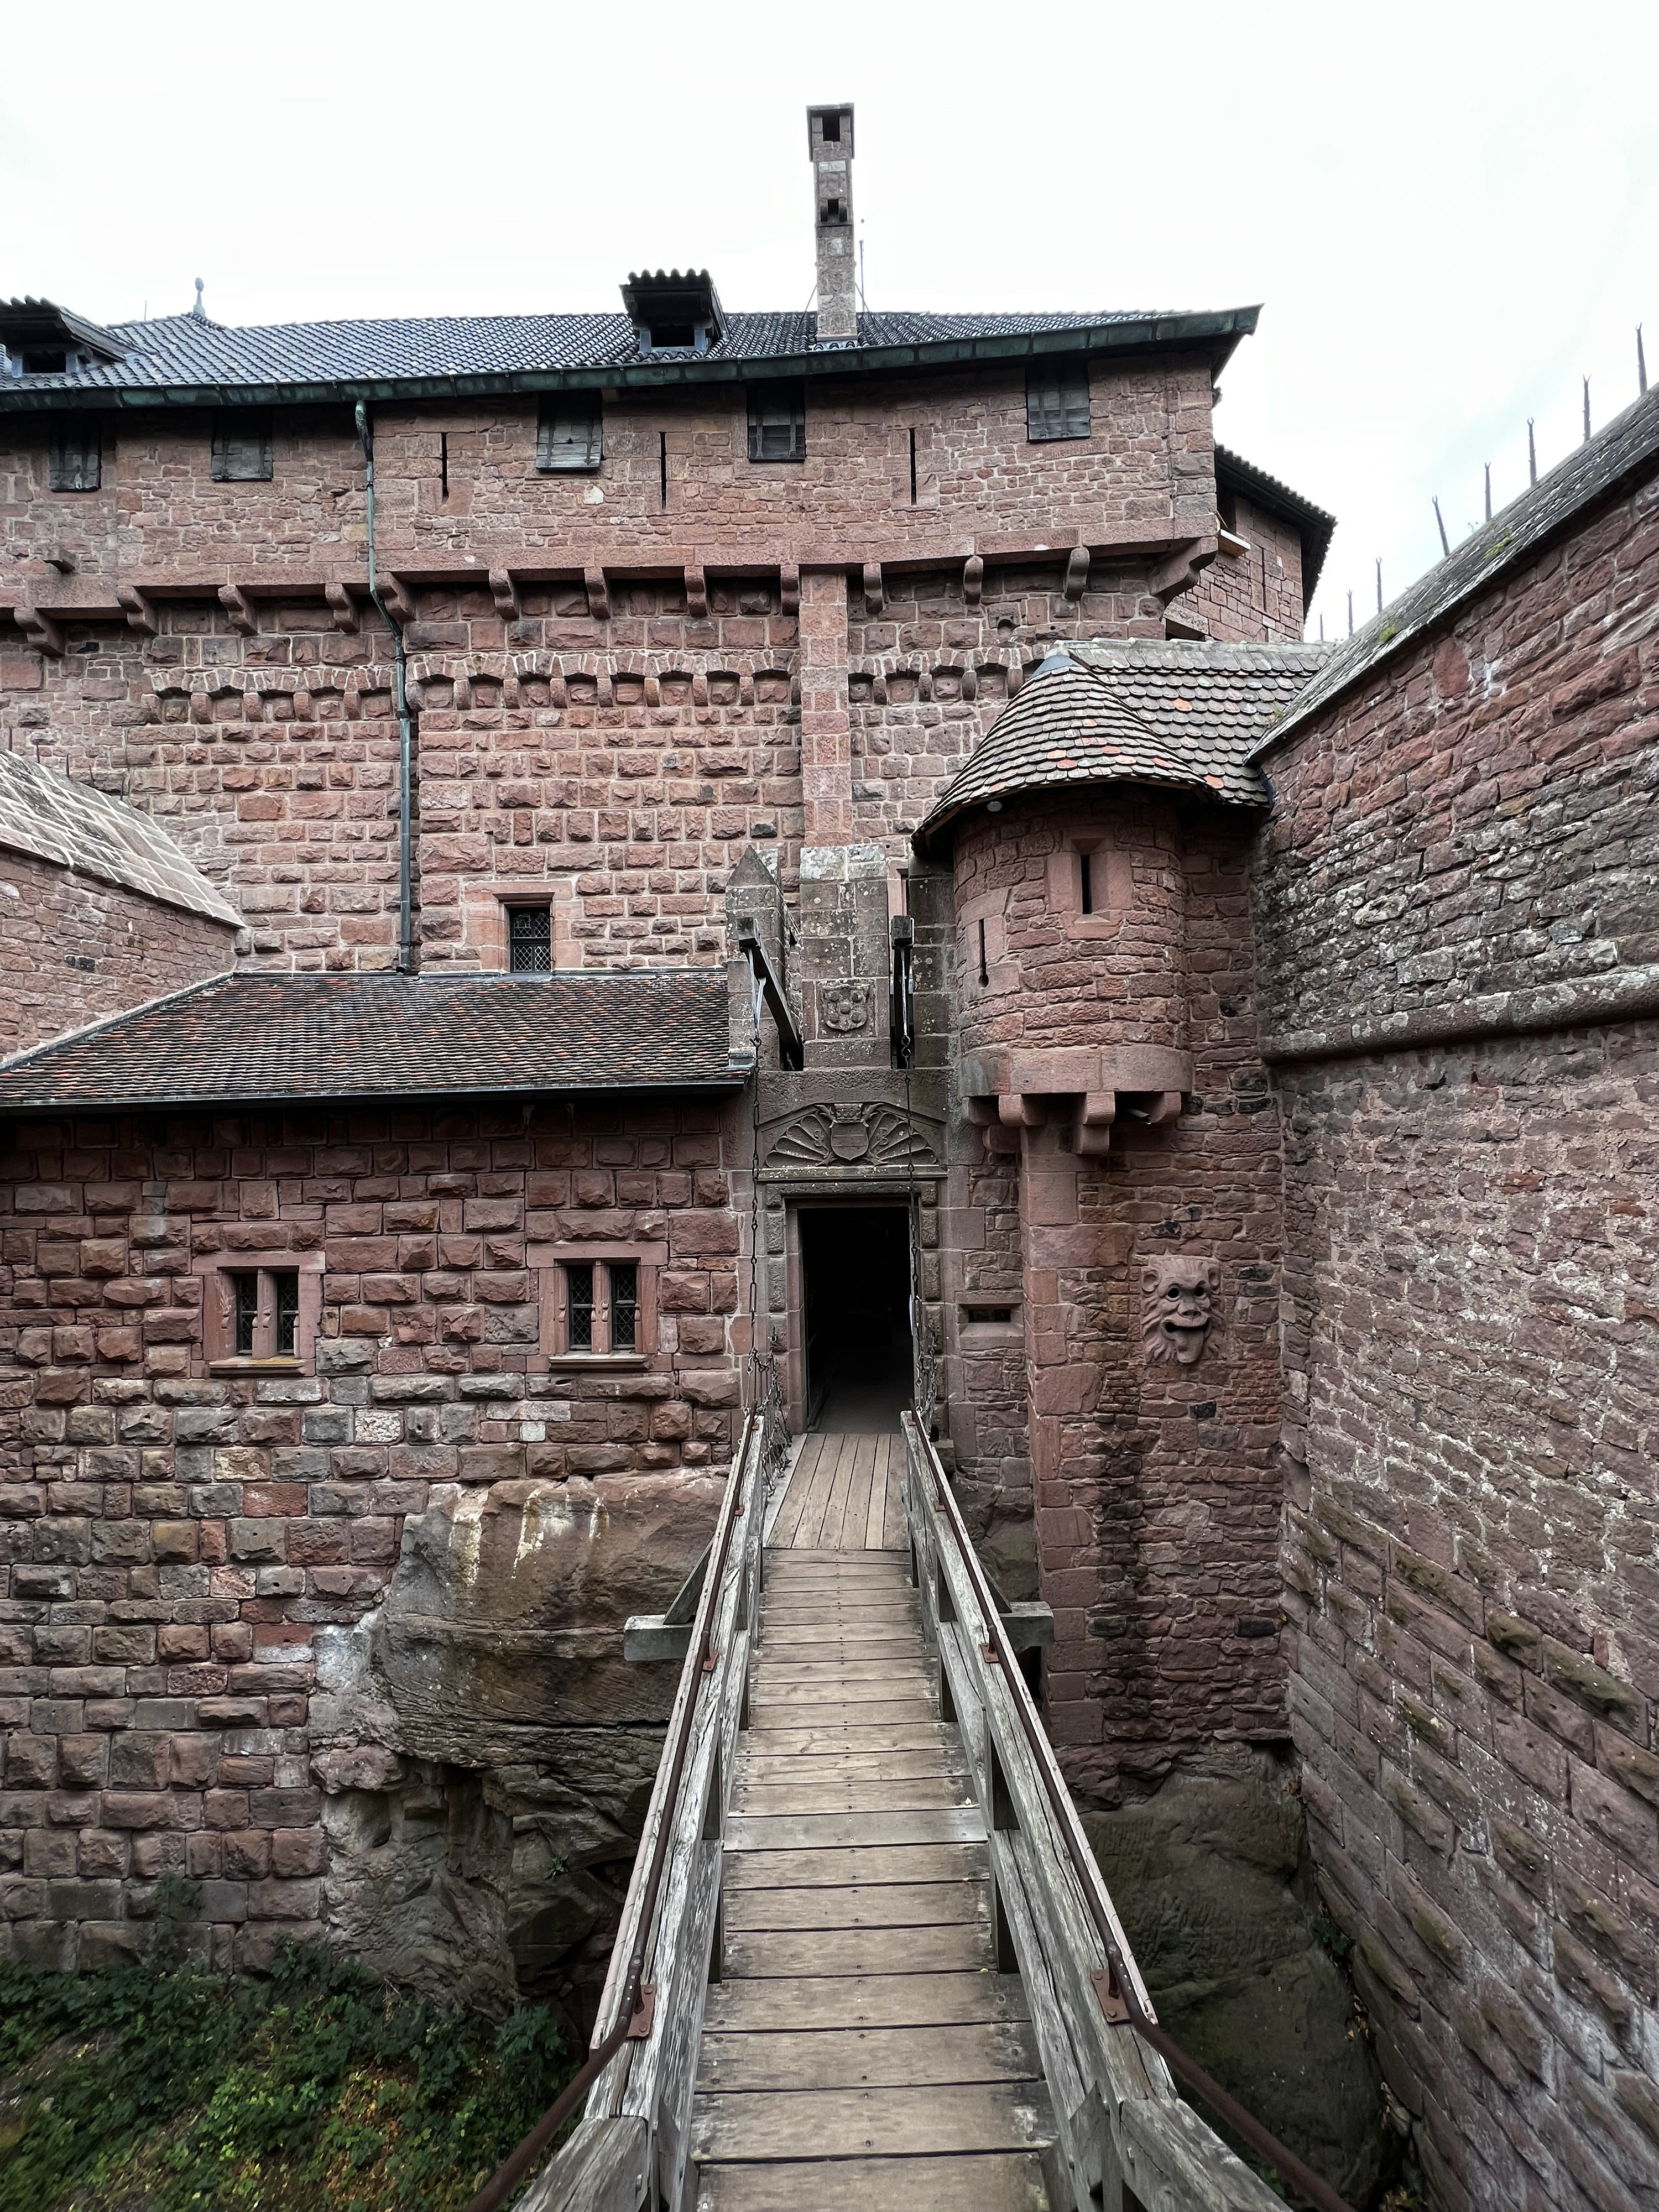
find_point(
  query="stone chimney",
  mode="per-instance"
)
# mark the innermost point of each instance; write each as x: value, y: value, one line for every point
x: 830, y: 139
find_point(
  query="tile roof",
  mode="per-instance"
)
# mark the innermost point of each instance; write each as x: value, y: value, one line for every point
x: 250, y: 1039
x: 1628, y: 445
x: 1179, y: 713
x: 71, y: 823
x: 175, y: 354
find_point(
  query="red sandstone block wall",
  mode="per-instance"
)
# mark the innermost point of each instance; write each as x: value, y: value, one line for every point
x: 1257, y: 593
x: 73, y: 949
x: 172, y: 1537
x: 1463, y: 847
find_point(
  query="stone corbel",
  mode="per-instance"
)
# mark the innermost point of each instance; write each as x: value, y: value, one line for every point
x: 875, y: 597
x: 1077, y: 572
x: 505, y: 593
x: 238, y: 610
x: 1179, y: 572
x: 41, y: 631
x: 1086, y: 1089
x: 140, y: 615
x: 696, y: 593
x: 598, y: 594
x: 343, y: 608
x: 399, y: 600
x: 1091, y: 1130
x: 973, y: 580
x: 789, y: 588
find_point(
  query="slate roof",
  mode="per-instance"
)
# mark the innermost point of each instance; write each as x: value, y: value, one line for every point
x: 260, y: 1039
x: 1627, y: 446
x: 1179, y: 713
x: 71, y: 823
x: 176, y: 355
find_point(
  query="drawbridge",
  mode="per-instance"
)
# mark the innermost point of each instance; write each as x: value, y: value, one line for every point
x: 867, y: 1963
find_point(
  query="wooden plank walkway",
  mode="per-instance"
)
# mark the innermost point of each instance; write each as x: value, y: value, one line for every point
x: 845, y: 1493
x: 860, y: 2052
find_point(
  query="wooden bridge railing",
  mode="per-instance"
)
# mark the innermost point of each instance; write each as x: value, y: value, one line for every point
x: 1129, y: 2142
x: 634, y: 2133
x: 1127, y: 2135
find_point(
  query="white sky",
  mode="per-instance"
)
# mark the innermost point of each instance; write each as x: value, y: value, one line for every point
x: 1450, y: 212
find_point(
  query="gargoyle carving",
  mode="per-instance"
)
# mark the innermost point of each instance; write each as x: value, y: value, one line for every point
x: 1179, y: 1320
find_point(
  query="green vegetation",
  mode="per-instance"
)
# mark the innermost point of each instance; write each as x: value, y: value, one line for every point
x: 180, y: 2091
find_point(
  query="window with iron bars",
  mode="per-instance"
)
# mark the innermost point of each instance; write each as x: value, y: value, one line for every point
x: 1057, y: 401
x: 777, y: 422
x: 601, y: 1305
x: 529, y: 939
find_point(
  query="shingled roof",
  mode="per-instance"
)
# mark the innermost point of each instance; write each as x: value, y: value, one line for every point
x: 276, y: 1039
x: 77, y: 827
x: 1627, y: 446
x: 180, y: 360
x: 1182, y: 713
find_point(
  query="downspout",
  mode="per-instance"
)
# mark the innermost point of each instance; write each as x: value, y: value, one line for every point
x: 400, y: 691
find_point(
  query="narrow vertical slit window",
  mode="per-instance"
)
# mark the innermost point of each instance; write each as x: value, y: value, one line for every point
x: 579, y: 1292
x: 246, y: 1294
x: 662, y: 465
x: 286, y: 1283
x: 529, y: 939
x: 443, y: 461
x: 1086, y: 870
x: 984, y: 971
x: 913, y: 468
x: 625, y: 1305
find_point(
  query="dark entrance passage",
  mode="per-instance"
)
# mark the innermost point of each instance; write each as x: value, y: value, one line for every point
x: 855, y: 1261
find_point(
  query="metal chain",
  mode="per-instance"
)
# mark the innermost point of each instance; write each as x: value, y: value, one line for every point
x: 765, y: 1390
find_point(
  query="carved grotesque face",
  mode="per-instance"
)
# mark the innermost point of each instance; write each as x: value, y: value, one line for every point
x: 1179, y: 1313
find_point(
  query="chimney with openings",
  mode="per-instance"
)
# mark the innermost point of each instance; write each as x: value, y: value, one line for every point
x: 830, y: 139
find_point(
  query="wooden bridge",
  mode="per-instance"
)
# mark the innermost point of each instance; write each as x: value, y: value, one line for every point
x: 867, y: 1963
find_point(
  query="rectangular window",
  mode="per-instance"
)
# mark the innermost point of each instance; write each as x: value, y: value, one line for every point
x: 1085, y: 868
x: 241, y: 448
x: 262, y: 1310
x: 570, y: 433
x: 1057, y: 400
x: 777, y: 422
x: 529, y: 939
x: 78, y: 459
x: 599, y: 1307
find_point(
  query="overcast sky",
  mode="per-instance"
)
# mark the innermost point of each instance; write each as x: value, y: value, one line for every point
x: 1450, y: 212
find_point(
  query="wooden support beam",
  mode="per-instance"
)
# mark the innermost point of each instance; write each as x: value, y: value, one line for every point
x: 791, y: 1045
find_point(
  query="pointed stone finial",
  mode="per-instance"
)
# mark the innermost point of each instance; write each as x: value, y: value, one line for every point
x: 198, y: 310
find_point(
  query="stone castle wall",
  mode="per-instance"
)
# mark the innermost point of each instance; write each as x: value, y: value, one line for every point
x: 74, y: 948
x: 1456, y: 907
x: 176, y: 1531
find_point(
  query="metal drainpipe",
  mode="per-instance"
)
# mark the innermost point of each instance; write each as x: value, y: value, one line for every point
x: 400, y: 688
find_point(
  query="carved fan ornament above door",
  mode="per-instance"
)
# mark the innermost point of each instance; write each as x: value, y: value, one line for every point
x: 837, y: 1136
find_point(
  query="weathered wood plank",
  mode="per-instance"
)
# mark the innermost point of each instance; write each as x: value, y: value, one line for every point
x: 786, y: 1516
x: 808, y: 1766
x: 845, y: 1868
x: 806, y: 1832
x: 867, y: 1905
x: 602, y: 2168
x: 884, y: 2123
x: 995, y: 2183
x: 788, y: 1737
x: 870, y: 2058
x: 914, y: 1794
x: 857, y: 1509
x: 867, y: 2000
x: 875, y: 1512
x: 810, y: 1532
x: 770, y: 1954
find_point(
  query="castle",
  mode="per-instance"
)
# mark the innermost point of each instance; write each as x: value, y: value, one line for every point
x: 558, y: 870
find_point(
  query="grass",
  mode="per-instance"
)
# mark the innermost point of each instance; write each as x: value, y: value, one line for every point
x: 179, y: 2091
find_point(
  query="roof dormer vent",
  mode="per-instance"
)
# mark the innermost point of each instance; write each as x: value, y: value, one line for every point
x: 39, y: 338
x: 674, y: 313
